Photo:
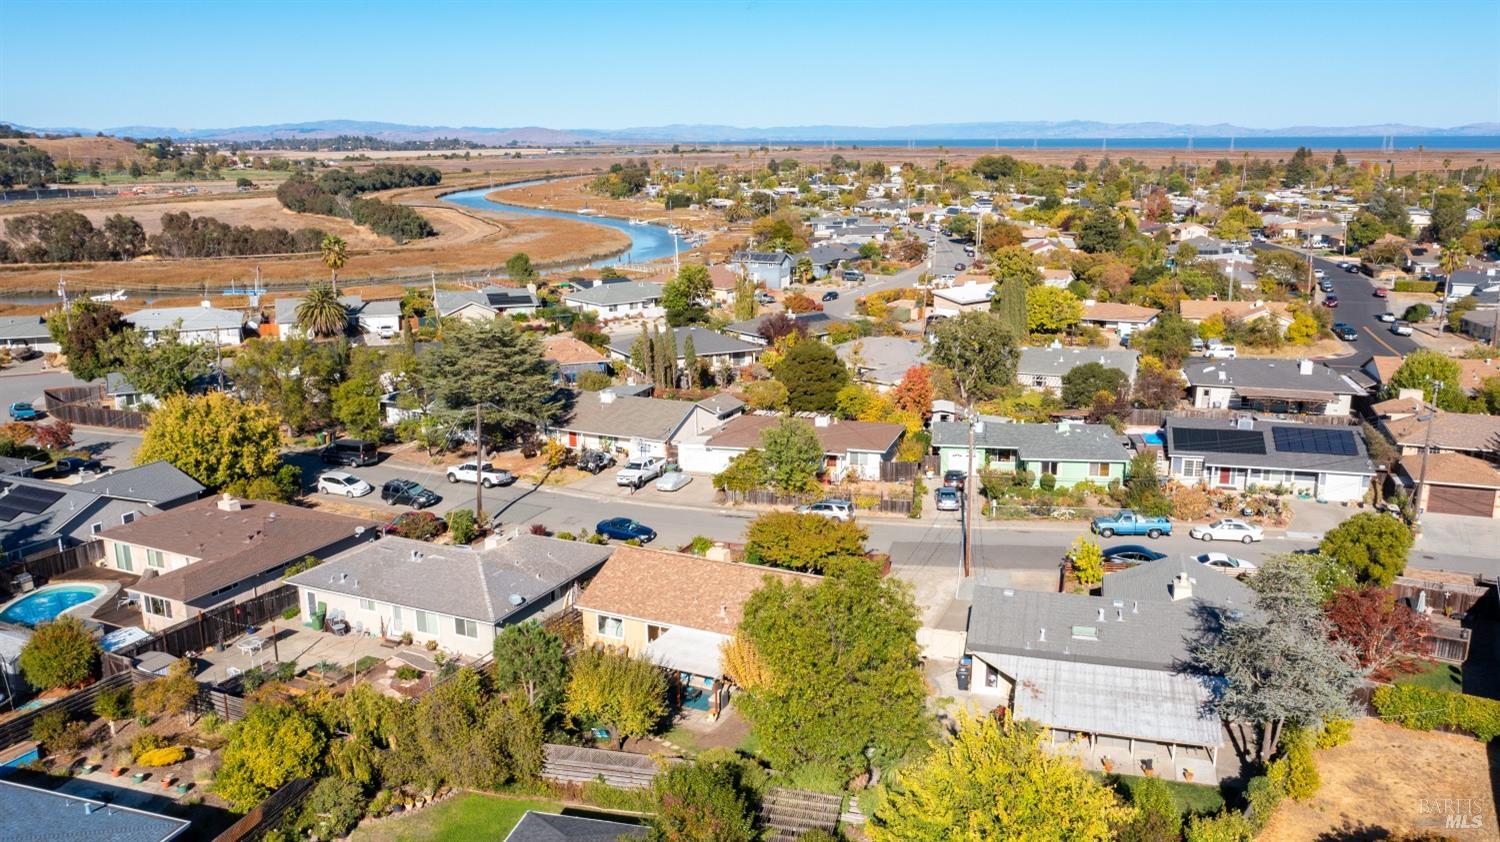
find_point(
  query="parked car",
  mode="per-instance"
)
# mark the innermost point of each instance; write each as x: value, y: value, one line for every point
x: 343, y: 484
x: 595, y: 461
x: 623, y: 529
x: 1381, y: 292
x: 1221, y: 352
x: 352, y: 453
x: 1325, y: 285
x: 1319, y: 274
x: 486, y: 474
x: 638, y: 472
x: 1227, y: 563
x: 69, y: 464
x: 1127, y: 522
x: 1345, y: 331
x: 1227, y: 529
x: 831, y: 295
x: 948, y: 499
x: 853, y: 276
x: 1132, y: 554
x: 1352, y: 268
x: 1330, y: 301
x: 1386, y: 317
x: 673, y: 480
x: 386, y: 331
x: 959, y: 267
x: 1401, y: 328
x: 954, y: 479
x: 22, y: 411
x: 840, y: 510
x: 22, y: 353
x: 405, y: 492
x: 763, y: 297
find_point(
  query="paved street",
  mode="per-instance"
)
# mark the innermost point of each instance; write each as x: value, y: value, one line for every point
x: 943, y: 257
x: 1358, y: 307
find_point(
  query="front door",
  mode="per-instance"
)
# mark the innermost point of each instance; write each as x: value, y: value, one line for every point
x: 396, y: 629
x: 312, y: 604
x: 1225, y: 476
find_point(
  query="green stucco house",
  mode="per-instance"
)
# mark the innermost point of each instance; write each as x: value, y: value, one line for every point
x: 1070, y: 451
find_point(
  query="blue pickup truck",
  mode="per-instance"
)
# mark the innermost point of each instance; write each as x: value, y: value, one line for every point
x: 1127, y: 522
x: 23, y: 412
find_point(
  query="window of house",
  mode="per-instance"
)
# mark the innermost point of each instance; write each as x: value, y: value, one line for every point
x: 122, y: 558
x: 154, y: 558
x: 1039, y: 382
x: 1098, y: 469
x: 426, y: 623
x: 466, y: 628
x: 159, y: 607
x: 611, y: 626
x: 1192, y: 468
x: 653, y: 632
x: 129, y: 517
x: 1049, y: 468
x: 367, y: 605
x: 96, y: 528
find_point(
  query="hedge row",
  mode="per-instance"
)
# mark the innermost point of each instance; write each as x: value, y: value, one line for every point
x: 1424, y: 710
x: 1416, y: 286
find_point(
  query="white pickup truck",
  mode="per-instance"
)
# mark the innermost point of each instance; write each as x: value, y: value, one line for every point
x: 638, y: 472
x: 491, y: 476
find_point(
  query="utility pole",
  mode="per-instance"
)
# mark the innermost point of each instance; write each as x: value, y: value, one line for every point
x: 478, y: 468
x: 1426, y: 446
x: 969, y: 479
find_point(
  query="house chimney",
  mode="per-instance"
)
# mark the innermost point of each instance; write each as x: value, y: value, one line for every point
x: 1305, y: 366
x: 1181, y: 587
x: 228, y: 503
x: 822, y: 420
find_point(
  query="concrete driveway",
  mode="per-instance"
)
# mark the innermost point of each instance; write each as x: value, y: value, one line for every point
x: 1459, y: 543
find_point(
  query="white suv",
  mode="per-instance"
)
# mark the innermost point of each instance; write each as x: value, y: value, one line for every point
x: 841, y: 510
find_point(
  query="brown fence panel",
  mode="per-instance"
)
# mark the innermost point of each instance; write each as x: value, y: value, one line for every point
x: 215, y: 626
x: 267, y: 814
x: 78, y: 702
x: 84, y: 405
x: 899, y: 471
x: 45, y: 565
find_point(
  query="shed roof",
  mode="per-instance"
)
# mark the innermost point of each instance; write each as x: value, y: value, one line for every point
x: 1267, y: 376
x: 1056, y: 362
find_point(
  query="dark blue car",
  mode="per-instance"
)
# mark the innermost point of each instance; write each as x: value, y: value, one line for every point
x: 1132, y: 554
x: 623, y: 529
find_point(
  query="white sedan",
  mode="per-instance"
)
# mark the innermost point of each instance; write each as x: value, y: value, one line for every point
x: 347, y: 485
x: 1226, y: 563
x: 1386, y: 317
x: 1227, y: 529
x: 673, y: 480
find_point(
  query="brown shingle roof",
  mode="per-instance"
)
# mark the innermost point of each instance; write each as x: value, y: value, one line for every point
x: 1385, y: 367
x: 565, y: 350
x: 1473, y: 373
x: 838, y: 437
x: 231, y: 545
x: 1114, y: 311
x: 722, y: 276
x: 678, y: 589
x: 1450, y: 430
x: 1453, y: 469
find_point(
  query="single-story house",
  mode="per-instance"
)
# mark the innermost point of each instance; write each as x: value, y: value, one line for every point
x: 1043, y: 368
x: 158, y: 483
x: 552, y: 827
x: 1104, y: 673
x: 725, y: 280
x: 1196, y: 312
x: 677, y: 611
x: 486, y: 303
x: 193, y: 324
x: 459, y: 596
x: 1480, y: 325
x: 1059, y: 278
x: 572, y: 357
x: 827, y: 257
x: 710, y: 347
x: 1069, y: 451
x: 850, y: 448
x: 618, y: 300
x: 615, y: 423
x: 1447, y: 432
x: 35, y: 813
x: 772, y: 268
x: 1330, y: 463
x: 216, y: 551
x: 37, y: 516
x: 1304, y: 387
x: 953, y: 300
x: 1121, y: 318
x: 881, y: 361
x: 284, y: 315
x: 722, y: 406
x: 1452, y: 483
x: 817, y: 325
x: 379, y: 317
x: 26, y: 332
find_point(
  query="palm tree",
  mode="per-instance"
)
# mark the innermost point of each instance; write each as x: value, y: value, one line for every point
x: 321, y: 314
x: 1451, y: 260
x: 335, y: 255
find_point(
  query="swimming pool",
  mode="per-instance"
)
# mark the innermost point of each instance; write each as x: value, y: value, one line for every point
x: 46, y: 603
x: 1152, y: 437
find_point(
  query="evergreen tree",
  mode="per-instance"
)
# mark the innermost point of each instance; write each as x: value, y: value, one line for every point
x: 1009, y: 304
x: 690, y: 362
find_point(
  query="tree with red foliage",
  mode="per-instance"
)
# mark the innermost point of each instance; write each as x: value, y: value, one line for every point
x: 799, y: 303
x: 914, y: 392
x: 777, y: 325
x: 1385, y: 634
x: 1156, y: 207
x: 55, y: 436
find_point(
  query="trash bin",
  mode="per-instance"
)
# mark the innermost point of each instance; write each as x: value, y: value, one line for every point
x: 965, y: 672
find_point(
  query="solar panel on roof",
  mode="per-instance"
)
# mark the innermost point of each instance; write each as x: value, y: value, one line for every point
x: 32, y: 500
x: 9, y: 513
x: 1324, y: 442
x: 1249, y: 442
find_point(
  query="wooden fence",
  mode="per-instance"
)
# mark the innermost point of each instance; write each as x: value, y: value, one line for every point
x: 790, y: 813
x: 266, y: 815
x: 215, y: 626
x: 45, y: 565
x: 78, y: 702
x: 899, y: 471
x: 766, y: 497
x: 84, y: 406
x: 579, y: 765
x: 1439, y: 597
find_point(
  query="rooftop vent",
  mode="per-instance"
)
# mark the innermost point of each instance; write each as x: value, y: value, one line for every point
x: 416, y: 555
x: 1305, y: 367
x: 228, y: 503
x: 1181, y: 587
x: 515, y: 599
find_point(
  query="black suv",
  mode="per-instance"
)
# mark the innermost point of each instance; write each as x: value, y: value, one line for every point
x: 594, y: 461
x: 404, y: 492
x: 351, y: 453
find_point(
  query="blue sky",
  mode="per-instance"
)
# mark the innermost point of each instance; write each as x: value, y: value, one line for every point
x: 619, y: 64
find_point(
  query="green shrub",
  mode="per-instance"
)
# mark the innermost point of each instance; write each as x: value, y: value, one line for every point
x: 291, y: 613
x: 593, y: 381
x: 48, y: 727
x: 167, y: 756
x: 419, y: 526
x: 1335, y: 733
x: 1424, y: 710
x: 1294, y: 773
x: 1048, y: 481
x: 918, y: 491
x: 1227, y: 826
x: 62, y: 653
x: 1262, y: 796
x: 461, y: 526
x: 601, y: 794
x: 1415, y: 286
x: 1417, y: 313
x: 407, y: 673
x: 700, y: 545
x: 365, y: 663
x: 144, y: 743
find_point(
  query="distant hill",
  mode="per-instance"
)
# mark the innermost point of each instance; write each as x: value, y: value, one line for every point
x: 698, y: 133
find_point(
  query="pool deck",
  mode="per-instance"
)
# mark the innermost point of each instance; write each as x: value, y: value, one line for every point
x: 106, y: 614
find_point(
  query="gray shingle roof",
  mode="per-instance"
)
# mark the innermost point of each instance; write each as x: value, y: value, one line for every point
x: 158, y: 483
x: 706, y: 343
x: 549, y: 827
x: 774, y: 258
x: 1056, y: 362
x: 1228, y: 456
x: 24, y: 328
x: 34, y: 813
x: 1070, y: 442
x: 625, y: 417
x: 286, y: 308
x: 628, y: 292
x: 817, y: 324
x: 191, y: 318
x: 468, y: 582
x: 1147, y: 635
x: 12, y: 465
x: 1152, y: 581
x: 883, y: 359
x: 1264, y: 374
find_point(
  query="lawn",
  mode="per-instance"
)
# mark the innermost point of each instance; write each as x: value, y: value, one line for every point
x: 1436, y: 675
x: 467, y: 816
x: 1199, y: 799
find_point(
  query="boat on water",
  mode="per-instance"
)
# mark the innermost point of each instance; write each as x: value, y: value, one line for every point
x: 634, y: 221
x: 585, y: 211
x: 117, y: 295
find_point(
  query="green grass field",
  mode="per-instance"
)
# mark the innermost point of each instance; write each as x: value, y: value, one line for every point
x: 1436, y: 675
x: 468, y: 816
x: 1200, y: 799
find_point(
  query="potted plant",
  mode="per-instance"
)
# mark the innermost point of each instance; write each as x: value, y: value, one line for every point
x: 1107, y: 764
x: 139, y: 777
x: 1187, y: 775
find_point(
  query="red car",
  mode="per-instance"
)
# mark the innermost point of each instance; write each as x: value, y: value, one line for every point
x: 1380, y: 292
x: 1331, y: 301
